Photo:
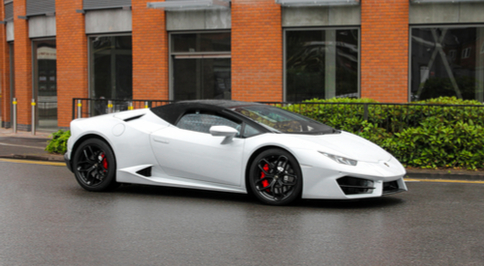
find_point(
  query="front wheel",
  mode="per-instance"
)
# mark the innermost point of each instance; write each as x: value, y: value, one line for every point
x: 275, y: 177
x: 94, y: 165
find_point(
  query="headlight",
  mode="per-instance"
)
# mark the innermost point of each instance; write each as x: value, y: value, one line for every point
x: 340, y: 159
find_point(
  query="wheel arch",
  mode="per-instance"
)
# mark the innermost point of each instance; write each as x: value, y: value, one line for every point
x: 253, y: 156
x: 90, y: 136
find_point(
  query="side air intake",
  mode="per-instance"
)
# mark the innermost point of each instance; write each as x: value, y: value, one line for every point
x: 132, y: 118
x: 147, y: 172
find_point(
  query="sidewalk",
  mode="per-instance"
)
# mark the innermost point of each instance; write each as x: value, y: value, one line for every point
x: 24, y: 145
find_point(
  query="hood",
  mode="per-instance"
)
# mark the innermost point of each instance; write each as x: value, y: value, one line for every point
x: 348, y: 145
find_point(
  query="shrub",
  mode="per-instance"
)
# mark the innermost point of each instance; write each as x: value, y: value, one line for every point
x: 58, y: 143
x: 429, y: 135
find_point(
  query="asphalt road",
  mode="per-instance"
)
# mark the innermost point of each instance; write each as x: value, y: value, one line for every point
x: 47, y: 219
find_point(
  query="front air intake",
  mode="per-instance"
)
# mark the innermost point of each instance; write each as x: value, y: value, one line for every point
x: 391, y: 187
x: 354, y: 186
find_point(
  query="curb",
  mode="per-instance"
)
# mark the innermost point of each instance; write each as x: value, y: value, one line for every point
x: 445, y: 176
x: 51, y: 158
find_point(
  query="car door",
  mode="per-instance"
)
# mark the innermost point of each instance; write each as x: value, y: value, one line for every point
x: 190, y: 151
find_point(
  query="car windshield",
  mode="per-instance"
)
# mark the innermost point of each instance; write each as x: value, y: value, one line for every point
x: 282, y: 121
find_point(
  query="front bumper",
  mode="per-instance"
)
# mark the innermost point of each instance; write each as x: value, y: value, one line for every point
x: 367, y: 180
x: 68, y: 162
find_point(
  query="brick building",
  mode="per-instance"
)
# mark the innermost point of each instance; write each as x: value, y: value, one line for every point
x: 250, y: 50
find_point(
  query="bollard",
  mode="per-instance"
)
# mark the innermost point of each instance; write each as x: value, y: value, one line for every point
x: 146, y: 104
x: 79, y: 109
x: 33, y: 116
x: 130, y: 105
x: 110, y: 106
x: 14, y: 122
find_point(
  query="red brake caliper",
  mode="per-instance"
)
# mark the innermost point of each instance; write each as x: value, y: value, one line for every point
x: 104, y: 161
x: 265, y: 182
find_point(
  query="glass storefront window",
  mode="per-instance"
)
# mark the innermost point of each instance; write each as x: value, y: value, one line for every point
x: 111, y: 67
x: 322, y: 64
x: 208, y: 79
x: 201, y: 42
x: 446, y: 61
x: 201, y: 65
x: 45, y: 82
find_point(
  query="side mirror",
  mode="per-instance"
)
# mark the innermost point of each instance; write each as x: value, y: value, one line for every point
x: 223, y: 131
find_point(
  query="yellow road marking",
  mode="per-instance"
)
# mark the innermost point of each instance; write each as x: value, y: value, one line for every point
x: 33, y: 162
x: 442, y: 181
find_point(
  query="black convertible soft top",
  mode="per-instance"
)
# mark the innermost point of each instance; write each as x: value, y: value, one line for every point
x: 172, y: 112
x: 259, y: 116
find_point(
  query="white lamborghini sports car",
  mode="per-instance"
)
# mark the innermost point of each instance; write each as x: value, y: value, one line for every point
x: 276, y: 155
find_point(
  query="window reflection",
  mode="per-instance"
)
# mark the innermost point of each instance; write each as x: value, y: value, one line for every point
x: 202, y: 79
x: 201, y: 65
x: 201, y: 42
x: 111, y: 67
x: 447, y: 62
x: 45, y: 82
x: 321, y: 64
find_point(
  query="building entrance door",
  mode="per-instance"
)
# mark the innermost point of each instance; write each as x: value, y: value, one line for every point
x: 200, y: 65
x: 45, y: 83
x: 202, y: 78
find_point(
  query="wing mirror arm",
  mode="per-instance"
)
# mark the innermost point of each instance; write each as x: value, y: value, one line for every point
x: 223, y: 131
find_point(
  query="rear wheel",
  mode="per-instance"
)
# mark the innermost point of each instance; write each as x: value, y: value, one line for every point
x: 94, y: 165
x: 275, y: 177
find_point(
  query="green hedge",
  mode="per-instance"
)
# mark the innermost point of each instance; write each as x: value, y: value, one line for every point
x: 58, y: 143
x: 434, y: 135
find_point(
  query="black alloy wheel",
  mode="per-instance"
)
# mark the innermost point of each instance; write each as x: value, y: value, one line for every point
x: 94, y: 165
x: 275, y: 177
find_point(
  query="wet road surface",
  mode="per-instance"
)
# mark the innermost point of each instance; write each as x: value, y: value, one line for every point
x: 47, y: 219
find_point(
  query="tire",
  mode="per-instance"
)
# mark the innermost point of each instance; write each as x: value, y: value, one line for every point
x: 94, y: 166
x: 275, y: 177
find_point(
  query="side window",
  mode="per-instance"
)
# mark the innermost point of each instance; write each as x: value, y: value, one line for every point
x: 203, y: 122
x: 250, y: 131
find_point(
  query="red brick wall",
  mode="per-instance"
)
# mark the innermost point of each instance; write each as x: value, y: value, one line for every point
x: 72, y: 58
x: 384, y: 50
x: 23, y: 66
x: 150, y: 52
x: 257, y: 54
x: 256, y: 51
x: 4, y: 71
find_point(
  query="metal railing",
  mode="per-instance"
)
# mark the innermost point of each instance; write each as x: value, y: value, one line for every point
x: 86, y: 107
x: 390, y: 116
